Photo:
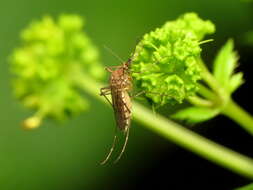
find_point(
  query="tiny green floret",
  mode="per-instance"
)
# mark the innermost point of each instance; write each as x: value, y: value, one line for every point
x: 51, y: 56
x: 166, y: 66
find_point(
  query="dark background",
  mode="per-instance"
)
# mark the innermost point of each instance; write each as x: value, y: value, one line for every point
x: 67, y: 155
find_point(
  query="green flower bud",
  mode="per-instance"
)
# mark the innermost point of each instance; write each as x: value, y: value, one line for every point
x: 166, y: 66
x: 53, y: 53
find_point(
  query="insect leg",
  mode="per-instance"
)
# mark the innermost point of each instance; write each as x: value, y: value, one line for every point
x: 109, y: 69
x: 126, y: 135
x: 124, y: 147
x: 138, y: 93
x: 104, y: 92
x: 112, y: 148
x: 128, y: 109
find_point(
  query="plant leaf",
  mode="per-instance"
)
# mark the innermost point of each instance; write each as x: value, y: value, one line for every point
x: 235, y: 82
x: 224, y: 64
x: 195, y: 114
x: 247, y: 187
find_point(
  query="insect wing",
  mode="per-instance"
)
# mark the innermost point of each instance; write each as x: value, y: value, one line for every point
x: 122, y: 109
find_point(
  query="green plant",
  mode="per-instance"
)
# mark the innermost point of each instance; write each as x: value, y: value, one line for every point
x: 56, y: 60
x: 51, y: 54
x: 247, y: 187
x: 169, y: 69
x: 167, y: 61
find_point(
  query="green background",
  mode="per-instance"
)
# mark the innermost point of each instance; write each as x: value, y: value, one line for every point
x: 67, y: 155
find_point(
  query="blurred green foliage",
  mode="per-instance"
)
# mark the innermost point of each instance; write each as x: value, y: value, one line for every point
x: 52, y: 53
x: 248, y: 38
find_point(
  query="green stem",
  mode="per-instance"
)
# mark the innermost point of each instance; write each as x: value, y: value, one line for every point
x: 213, y: 83
x: 197, y: 101
x: 206, y: 93
x: 236, y: 113
x: 193, y: 142
x: 228, y: 107
x: 183, y: 137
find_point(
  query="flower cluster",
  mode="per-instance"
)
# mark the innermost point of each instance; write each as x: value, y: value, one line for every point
x: 51, y: 54
x: 166, y: 63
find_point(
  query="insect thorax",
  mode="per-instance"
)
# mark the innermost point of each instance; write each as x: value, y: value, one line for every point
x: 120, y: 80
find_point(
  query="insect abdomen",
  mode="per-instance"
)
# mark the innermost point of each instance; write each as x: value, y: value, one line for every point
x: 122, y: 109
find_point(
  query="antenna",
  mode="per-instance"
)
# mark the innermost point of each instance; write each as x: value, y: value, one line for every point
x: 113, y: 53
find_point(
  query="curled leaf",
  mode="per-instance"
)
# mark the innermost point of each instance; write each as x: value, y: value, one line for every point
x: 195, y: 114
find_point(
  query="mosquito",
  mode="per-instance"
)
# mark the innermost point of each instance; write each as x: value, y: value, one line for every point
x: 120, y: 85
